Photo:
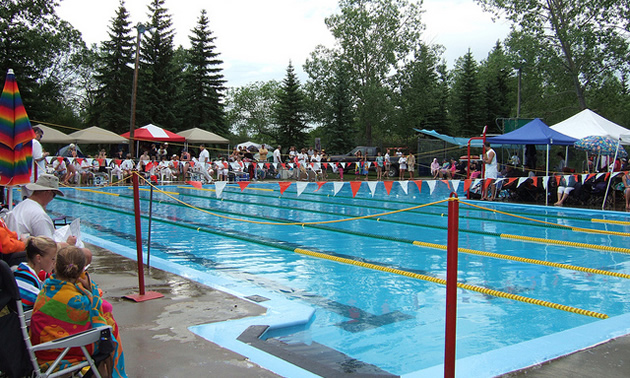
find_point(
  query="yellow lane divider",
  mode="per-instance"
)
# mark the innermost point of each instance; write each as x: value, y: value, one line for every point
x: 157, y: 190
x: 610, y: 221
x: 567, y: 243
x: 576, y: 229
x: 203, y: 189
x: 527, y: 260
x: 97, y: 191
x: 478, y: 289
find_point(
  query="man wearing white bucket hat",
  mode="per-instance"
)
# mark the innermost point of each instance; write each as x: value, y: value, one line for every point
x: 29, y: 216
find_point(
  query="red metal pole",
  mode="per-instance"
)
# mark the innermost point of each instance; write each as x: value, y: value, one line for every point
x: 451, y: 287
x: 136, y: 208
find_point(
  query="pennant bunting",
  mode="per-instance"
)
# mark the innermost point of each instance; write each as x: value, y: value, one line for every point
x: 301, y: 185
x: 219, y: 186
x: 447, y: 184
x: 196, y: 184
x: 455, y: 185
x: 404, y: 185
x: 545, y: 182
x: 325, y: 165
x: 283, y: 186
x: 535, y: 180
x: 388, y: 186
x: 419, y: 185
x: 243, y: 184
x: 467, y: 183
x: 558, y: 178
x: 511, y: 180
x: 319, y: 185
x: 355, y: 185
x: 337, y: 187
x: 487, y: 183
x: 521, y: 180
x: 372, y: 186
x: 431, y: 184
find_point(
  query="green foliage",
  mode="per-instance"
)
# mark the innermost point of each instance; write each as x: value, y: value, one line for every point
x: 250, y: 111
x: 289, y: 111
x: 496, y: 77
x: 114, y: 75
x: 204, y: 88
x: 158, y: 76
x: 466, y: 97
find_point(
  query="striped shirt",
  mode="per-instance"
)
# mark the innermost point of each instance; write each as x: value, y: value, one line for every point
x: 29, y: 284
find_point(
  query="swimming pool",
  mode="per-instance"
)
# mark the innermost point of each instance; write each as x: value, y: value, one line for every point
x: 393, y: 322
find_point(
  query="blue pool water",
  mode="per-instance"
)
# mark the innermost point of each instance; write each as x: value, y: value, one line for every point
x: 393, y: 322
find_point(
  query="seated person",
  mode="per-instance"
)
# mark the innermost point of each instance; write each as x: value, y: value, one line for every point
x: 59, y: 168
x: 163, y: 168
x: 11, y: 247
x: 445, y: 171
x: 63, y: 294
x: 29, y: 216
x: 435, y: 168
x: 41, y: 253
x: 127, y: 166
x: 564, y: 189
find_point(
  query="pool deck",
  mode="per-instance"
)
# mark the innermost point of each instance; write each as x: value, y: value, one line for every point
x: 157, y: 342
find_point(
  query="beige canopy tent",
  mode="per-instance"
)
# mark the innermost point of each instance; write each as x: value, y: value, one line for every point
x: 52, y: 136
x: 197, y: 135
x: 95, y: 135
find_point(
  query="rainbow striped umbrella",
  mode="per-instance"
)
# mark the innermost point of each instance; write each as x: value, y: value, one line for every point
x: 16, y: 136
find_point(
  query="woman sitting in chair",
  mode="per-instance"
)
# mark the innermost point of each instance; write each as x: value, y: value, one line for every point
x: 65, y: 307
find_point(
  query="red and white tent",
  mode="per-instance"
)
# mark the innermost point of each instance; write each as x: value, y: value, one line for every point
x: 154, y: 133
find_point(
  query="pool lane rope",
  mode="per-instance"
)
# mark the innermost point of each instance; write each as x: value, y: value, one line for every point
x: 282, y: 246
x: 441, y: 281
x: 572, y: 228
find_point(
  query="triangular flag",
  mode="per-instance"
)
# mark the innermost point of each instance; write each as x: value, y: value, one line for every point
x: 118, y: 161
x: 255, y: 165
x: 447, y: 184
x: 599, y: 175
x: 558, y: 178
x: 431, y: 184
x: 338, y: 186
x: 405, y: 186
x: 243, y: 185
x: 419, y: 185
x: 372, y: 186
x: 196, y: 184
x: 512, y: 179
x: 545, y: 182
x: 467, y: 183
x: 343, y: 165
x: 284, y: 166
x: 80, y: 160
x: 585, y: 177
x: 566, y: 178
x: 301, y: 185
x: 355, y: 185
x: 369, y: 164
x: 100, y: 162
x: 535, y: 180
x: 320, y: 184
x: 607, y: 176
x: 325, y: 165
x: 487, y: 183
x: 60, y: 158
x: 219, y: 186
x: 590, y: 176
x: 615, y: 174
x: 268, y: 165
x: 153, y: 178
x: 388, y: 186
x: 284, y: 185
x: 521, y: 180
x: 455, y: 185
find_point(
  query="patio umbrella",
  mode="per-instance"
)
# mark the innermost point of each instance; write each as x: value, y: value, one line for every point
x: 600, y: 145
x: 16, y: 136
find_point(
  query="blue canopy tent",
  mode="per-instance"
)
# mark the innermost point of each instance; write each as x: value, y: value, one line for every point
x: 462, y: 142
x: 538, y: 133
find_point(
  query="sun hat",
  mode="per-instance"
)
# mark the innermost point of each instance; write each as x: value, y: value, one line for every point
x: 45, y: 182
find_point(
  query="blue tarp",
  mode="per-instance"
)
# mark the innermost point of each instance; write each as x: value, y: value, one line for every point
x: 534, y: 132
x: 452, y: 140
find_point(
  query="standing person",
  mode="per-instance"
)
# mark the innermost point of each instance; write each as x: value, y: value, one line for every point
x: 41, y: 253
x: 39, y: 156
x: 262, y: 154
x: 411, y: 164
x: 402, y: 167
x: 379, y: 166
x: 490, y: 160
x: 387, y: 162
x: 204, y: 160
x: 277, y: 161
x: 626, y: 189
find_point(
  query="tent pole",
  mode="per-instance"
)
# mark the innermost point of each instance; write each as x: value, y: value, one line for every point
x: 612, y: 174
x: 547, y: 178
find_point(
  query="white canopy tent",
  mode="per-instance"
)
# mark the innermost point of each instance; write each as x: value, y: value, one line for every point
x: 587, y: 123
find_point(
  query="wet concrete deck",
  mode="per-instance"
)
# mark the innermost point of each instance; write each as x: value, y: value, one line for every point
x: 157, y: 342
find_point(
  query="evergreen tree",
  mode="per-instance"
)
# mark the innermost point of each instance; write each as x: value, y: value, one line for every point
x: 158, y: 76
x: 204, y: 81
x: 466, y: 99
x: 338, y: 132
x: 498, y: 95
x: 290, y: 111
x: 115, y: 76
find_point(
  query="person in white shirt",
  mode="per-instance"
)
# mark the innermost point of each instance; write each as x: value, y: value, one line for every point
x: 29, y: 216
x: 39, y: 156
x: 204, y: 159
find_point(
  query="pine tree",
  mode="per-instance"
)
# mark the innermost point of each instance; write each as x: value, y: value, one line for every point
x: 498, y: 96
x: 158, y: 76
x: 114, y: 75
x: 466, y: 97
x: 204, y: 81
x: 339, y: 130
x: 290, y: 111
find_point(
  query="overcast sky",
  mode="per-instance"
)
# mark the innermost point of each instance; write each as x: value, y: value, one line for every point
x: 257, y: 38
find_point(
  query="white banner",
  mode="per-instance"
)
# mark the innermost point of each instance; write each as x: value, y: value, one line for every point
x: 372, y: 186
x: 301, y: 185
x: 431, y: 184
x: 338, y: 185
x: 219, y: 186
